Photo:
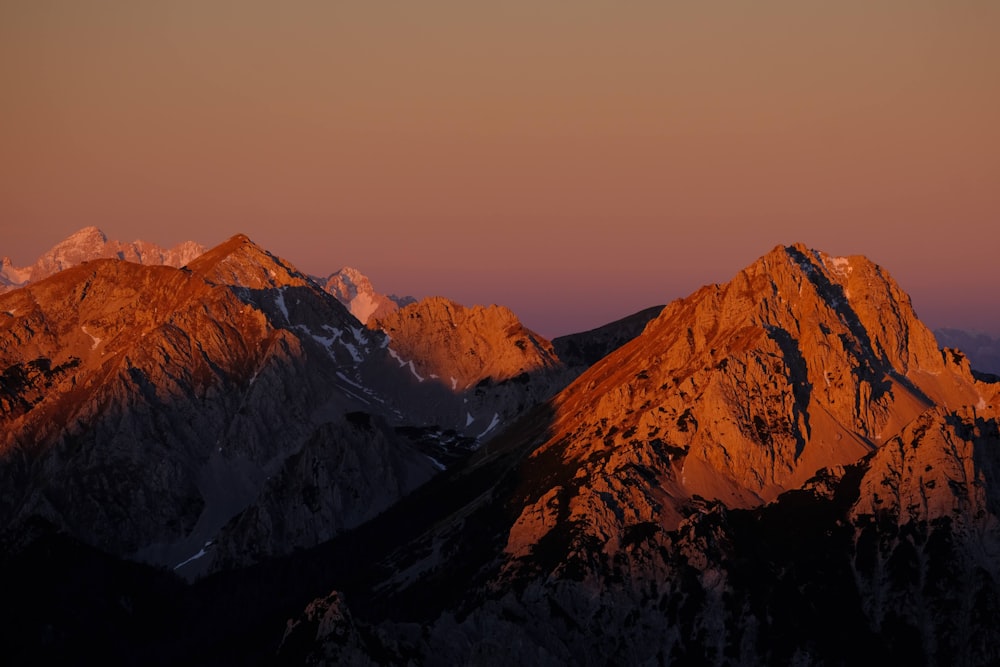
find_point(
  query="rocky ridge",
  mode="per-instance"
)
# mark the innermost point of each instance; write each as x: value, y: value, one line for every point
x: 983, y: 350
x: 91, y: 243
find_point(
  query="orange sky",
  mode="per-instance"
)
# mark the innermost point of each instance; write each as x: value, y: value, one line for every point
x: 574, y: 161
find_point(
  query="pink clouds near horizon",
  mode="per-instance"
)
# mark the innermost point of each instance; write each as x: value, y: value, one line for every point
x: 573, y: 162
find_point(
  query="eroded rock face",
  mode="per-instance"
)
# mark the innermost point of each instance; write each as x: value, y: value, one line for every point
x: 462, y: 346
x: 744, y: 390
x: 479, y: 367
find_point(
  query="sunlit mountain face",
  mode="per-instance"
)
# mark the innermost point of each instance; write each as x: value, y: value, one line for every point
x: 217, y: 459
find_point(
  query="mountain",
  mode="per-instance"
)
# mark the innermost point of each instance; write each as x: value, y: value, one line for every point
x: 353, y: 289
x: 463, y: 346
x: 983, y: 350
x: 248, y: 413
x: 480, y: 368
x: 584, y: 349
x: 784, y: 469
x: 744, y: 390
x: 91, y: 243
x: 145, y: 408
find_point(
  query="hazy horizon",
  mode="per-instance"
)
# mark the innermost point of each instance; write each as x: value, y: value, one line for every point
x: 574, y: 164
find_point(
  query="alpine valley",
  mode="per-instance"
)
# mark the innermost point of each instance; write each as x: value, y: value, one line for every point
x: 208, y: 457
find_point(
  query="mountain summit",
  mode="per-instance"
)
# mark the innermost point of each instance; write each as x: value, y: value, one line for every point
x: 354, y: 289
x: 744, y: 390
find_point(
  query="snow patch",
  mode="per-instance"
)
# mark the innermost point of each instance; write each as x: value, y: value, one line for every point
x: 279, y: 301
x: 353, y: 351
x: 469, y: 419
x: 437, y: 464
x: 350, y: 381
x: 493, y: 425
x: 359, y: 335
x: 97, y: 341
x: 841, y: 265
x: 201, y: 552
x: 405, y: 362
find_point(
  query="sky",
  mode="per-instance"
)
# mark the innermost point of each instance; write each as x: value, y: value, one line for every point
x: 575, y: 162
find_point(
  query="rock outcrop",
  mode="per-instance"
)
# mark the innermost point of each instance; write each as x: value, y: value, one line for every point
x: 983, y: 350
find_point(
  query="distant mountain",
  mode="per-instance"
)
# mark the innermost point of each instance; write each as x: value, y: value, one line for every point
x: 91, y: 243
x: 983, y: 351
x: 584, y: 349
x: 353, y: 289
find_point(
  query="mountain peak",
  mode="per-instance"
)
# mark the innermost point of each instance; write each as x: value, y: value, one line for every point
x: 89, y: 233
x: 92, y: 243
x: 355, y: 290
x: 467, y: 345
x: 241, y: 262
x: 802, y: 360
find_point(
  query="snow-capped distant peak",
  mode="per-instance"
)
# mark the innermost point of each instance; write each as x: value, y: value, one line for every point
x: 354, y: 289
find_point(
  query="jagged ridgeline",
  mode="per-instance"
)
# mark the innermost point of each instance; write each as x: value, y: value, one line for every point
x: 227, y: 461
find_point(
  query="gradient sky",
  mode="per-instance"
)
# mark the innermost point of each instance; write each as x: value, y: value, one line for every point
x: 575, y: 161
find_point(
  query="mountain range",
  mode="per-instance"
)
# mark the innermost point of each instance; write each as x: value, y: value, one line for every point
x: 219, y: 459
